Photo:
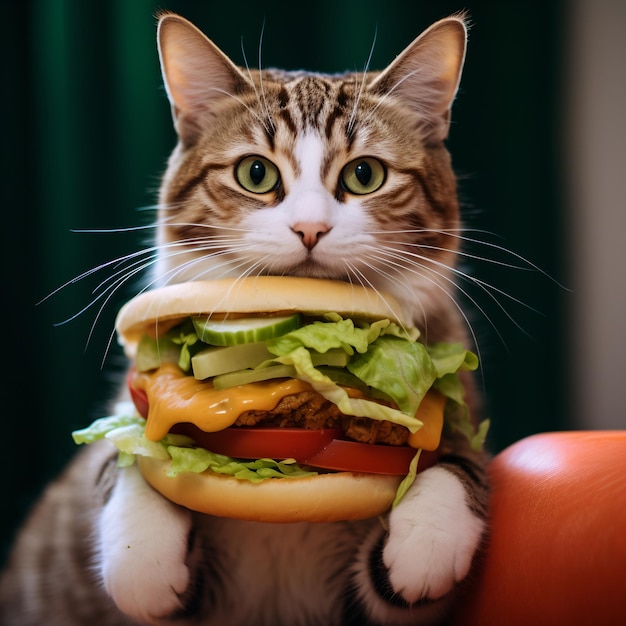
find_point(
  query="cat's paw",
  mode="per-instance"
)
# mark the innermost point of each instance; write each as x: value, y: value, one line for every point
x: 143, y: 543
x: 433, y: 536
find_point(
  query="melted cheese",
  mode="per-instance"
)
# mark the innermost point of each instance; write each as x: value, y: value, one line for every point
x: 174, y: 398
x: 430, y: 411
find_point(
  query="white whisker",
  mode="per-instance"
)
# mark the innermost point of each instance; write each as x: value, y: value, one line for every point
x: 110, y: 231
x: 517, y: 256
x: 388, y: 95
x: 254, y: 87
x: 242, y: 103
x: 486, y: 287
x: 459, y: 233
x: 136, y: 263
x: 90, y: 272
x: 465, y: 255
x: 263, y: 94
x: 111, y: 289
x: 351, y: 121
x: 365, y: 282
x: 456, y: 286
x: 428, y: 274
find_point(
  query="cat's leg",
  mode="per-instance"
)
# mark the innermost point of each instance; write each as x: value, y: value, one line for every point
x: 143, y: 543
x: 433, y: 534
x: 432, y: 538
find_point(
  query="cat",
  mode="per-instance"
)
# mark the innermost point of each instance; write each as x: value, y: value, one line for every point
x: 101, y: 547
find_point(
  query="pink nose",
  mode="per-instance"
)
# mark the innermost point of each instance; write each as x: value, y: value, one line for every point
x: 310, y: 232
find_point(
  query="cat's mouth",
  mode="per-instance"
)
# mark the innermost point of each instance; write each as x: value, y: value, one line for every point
x: 311, y: 267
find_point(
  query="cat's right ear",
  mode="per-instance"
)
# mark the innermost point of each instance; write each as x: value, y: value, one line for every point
x: 196, y: 73
x: 426, y: 75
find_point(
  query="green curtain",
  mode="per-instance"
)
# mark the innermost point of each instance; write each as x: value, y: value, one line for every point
x: 87, y: 132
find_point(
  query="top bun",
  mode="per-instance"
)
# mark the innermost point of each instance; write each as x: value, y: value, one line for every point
x: 261, y: 294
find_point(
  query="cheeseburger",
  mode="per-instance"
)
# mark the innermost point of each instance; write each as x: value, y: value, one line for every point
x: 281, y: 399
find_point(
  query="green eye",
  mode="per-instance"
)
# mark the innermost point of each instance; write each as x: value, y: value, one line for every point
x: 364, y: 175
x: 256, y: 174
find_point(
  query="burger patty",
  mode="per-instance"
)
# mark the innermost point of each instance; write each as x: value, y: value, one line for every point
x: 309, y: 409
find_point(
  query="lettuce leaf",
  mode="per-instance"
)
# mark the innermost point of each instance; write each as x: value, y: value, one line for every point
x: 199, y: 460
x: 322, y: 336
x: 101, y: 427
x: 402, y: 370
x: 408, y: 480
x: 337, y: 332
x: 449, y: 358
x: 385, y: 357
x: 457, y: 418
x: 300, y: 358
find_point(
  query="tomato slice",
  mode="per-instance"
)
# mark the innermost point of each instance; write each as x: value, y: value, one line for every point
x: 321, y: 448
x: 139, y: 398
x: 343, y: 455
x: 245, y: 442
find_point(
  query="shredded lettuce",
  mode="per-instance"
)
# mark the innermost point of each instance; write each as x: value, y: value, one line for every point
x: 101, y: 427
x: 127, y: 434
x: 199, y: 460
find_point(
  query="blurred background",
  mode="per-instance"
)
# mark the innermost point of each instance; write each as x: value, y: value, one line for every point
x: 538, y: 140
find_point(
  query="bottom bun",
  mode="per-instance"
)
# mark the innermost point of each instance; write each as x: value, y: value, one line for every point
x: 321, y: 498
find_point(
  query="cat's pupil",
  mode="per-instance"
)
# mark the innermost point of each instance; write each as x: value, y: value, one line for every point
x: 363, y: 173
x: 257, y: 172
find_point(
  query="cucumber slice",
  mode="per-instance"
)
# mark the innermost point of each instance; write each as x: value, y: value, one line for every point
x: 151, y: 353
x: 220, y: 360
x: 244, y: 377
x: 334, y: 358
x: 232, y: 332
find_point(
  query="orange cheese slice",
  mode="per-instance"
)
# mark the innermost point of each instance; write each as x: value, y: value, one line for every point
x: 176, y: 398
x: 430, y: 412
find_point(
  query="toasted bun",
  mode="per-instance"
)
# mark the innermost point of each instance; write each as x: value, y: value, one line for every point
x: 259, y: 295
x: 322, y: 498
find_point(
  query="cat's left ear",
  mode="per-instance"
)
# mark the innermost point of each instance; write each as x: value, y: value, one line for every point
x: 426, y: 75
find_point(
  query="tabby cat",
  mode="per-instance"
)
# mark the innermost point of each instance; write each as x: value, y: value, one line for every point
x: 101, y: 547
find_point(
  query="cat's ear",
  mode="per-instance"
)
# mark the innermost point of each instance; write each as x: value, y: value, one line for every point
x: 426, y: 75
x: 196, y: 73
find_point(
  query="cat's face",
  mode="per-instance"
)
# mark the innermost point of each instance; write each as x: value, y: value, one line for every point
x: 342, y: 177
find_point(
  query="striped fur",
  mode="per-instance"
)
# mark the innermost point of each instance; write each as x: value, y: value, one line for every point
x: 101, y: 547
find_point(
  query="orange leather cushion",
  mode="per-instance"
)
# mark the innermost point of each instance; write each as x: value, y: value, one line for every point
x: 557, y: 551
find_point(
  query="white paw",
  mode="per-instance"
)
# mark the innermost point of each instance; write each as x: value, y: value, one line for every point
x: 143, y: 544
x: 432, y: 537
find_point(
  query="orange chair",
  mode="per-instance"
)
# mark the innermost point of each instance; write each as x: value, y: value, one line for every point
x: 557, y: 550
